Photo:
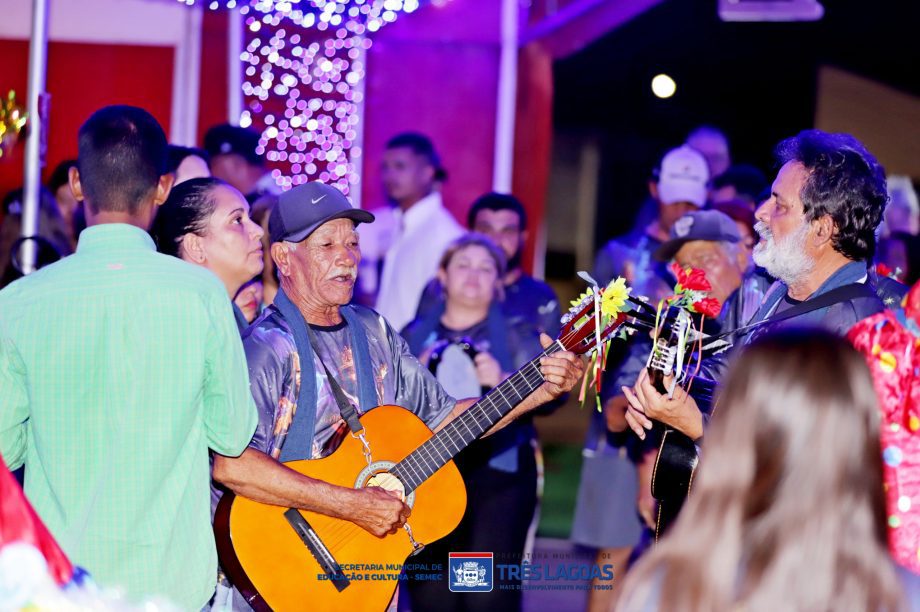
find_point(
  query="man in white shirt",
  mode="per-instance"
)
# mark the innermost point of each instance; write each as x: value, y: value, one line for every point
x: 422, y: 226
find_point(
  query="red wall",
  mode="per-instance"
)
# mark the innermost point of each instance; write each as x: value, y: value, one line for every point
x: 533, y: 131
x: 81, y: 78
x: 212, y: 101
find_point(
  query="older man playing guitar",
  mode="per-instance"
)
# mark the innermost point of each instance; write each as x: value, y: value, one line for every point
x: 317, y: 364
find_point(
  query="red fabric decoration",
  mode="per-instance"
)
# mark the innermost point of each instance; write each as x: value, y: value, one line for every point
x: 19, y: 523
x: 891, y: 350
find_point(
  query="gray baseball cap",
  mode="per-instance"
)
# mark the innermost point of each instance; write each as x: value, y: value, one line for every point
x: 709, y: 225
x: 304, y: 208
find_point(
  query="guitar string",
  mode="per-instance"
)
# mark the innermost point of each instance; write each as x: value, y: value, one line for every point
x: 415, y: 460
x: 341, y: 534
x: 531, y: 380
x: 453, y: 431
x: 482, y: 420
x: 344, y: 532
x: 350, y: 529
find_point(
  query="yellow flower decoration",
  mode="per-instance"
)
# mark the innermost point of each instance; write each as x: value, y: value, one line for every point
x: 614, y: 298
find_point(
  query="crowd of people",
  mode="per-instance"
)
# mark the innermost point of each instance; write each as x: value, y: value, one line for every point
x: 192, y: 329
x: 160, y: 389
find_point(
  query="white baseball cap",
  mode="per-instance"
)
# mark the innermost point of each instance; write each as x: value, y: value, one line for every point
x: 683, y: 177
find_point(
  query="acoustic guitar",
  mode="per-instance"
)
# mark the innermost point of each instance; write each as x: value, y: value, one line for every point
x: 286, y: 559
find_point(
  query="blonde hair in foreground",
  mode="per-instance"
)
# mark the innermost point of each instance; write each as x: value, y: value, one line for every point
x: 787, y: 511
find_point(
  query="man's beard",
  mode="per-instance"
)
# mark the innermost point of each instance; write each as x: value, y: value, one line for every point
x: 786, y: 259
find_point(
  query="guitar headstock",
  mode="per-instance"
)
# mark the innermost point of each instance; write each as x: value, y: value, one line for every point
x: 580, y: 325
x: 671, y: 347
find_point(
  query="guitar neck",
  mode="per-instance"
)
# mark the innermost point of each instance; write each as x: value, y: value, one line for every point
x: 475, y: 421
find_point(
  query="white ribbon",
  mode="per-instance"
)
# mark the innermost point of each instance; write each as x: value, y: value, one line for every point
x: 597, y: 310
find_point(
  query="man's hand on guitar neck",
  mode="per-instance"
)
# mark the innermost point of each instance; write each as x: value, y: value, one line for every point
x: 561, y: 372
x: 645, y: 403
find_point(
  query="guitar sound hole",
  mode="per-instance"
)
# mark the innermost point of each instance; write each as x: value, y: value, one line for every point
x: 377, y: 475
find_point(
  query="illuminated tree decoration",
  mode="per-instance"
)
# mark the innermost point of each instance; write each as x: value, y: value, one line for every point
x: 304, y: 70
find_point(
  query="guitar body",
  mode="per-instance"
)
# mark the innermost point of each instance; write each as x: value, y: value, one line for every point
x: 672, y: 476
x: 675, y: 465
x: 267, y: 559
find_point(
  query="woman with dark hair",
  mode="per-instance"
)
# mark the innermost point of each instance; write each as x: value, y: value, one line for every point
x: 206, y: 222
x: 476, y: 348
x: 788, y: 510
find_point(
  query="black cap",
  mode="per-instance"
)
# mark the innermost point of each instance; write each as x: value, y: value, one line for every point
x: 304, y: 208
x: 225, y: 139
x: 709, y: 225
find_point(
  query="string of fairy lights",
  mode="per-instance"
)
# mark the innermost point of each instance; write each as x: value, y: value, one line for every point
x: 304, y: 70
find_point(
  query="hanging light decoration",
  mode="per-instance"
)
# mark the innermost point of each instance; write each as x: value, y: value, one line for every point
x: 304, y: 71
x: 12, y: 120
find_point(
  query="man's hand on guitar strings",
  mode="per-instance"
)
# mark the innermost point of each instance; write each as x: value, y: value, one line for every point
x: 561, y: 371
x: 377, y: 511
x: 645, y: 403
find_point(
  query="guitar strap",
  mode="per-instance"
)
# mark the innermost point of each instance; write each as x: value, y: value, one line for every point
x: 839, y: 294
x: 299, y: 441
x: 345, y: 406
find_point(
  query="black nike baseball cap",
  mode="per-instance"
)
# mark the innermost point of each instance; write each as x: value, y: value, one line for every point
x: 301, y: 210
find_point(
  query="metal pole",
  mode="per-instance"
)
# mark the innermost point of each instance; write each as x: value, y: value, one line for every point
x: 38, y: 64
x: 234, y: 67
x: 187, y: 80
x: 507, y: 92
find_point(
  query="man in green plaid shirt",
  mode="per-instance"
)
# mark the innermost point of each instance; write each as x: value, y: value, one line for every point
x: 119, y: 368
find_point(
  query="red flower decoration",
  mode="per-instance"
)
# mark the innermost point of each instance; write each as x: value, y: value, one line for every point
x: 708, y: 306
x: 691, y: 279
x: 883, y: 270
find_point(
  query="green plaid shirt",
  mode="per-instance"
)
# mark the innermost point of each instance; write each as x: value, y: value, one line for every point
x: 119, y: 368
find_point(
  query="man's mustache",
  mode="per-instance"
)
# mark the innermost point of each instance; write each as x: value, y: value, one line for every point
x: 352, y: 272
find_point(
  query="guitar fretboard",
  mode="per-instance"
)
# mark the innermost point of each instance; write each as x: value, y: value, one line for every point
x: 476, y: 420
